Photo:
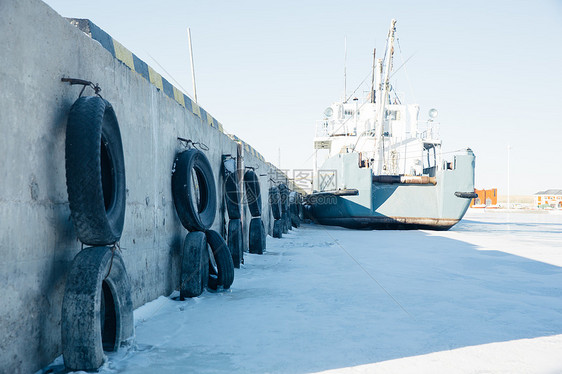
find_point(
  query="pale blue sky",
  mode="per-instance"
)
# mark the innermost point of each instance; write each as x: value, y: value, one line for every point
x: 268, y: 70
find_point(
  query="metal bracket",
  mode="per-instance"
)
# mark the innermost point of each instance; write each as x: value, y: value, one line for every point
x: 85, y: 83
x: 190, y: 143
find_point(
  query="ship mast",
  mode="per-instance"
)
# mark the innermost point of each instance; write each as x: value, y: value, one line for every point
x: 373, y: 77
x: 383, y: 97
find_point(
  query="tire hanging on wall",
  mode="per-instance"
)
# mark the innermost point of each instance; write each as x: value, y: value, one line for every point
x: 231, y: 188
x: 253, y: 193
x: 295, y: 221
x: 284, y: 223
x: 235, y: 242
x: 232, y: 196
x: 95, y: 171
x: 278, y: 228
x: 284, y: 193
x: 256, y: 234
x: 275, y: 202
x: 264, y: 236
x: 221, y: 268
x: 307, y: 212
x: 193, y: 190
x: 97, y: 311
x: 194, y: 265
x: 294, y: 201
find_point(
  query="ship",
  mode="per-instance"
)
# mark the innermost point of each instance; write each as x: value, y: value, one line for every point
x: 378, y: 166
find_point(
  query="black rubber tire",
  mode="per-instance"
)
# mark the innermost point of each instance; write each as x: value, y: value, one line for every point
x: 194, y: 216
x: 295, y: 221
x: 283, y: 220
x: 264, y: 236
x: 224, y: 274
x: 284, y: 192
x: 293, y: 199
x: 232, y: 195
x: 256, y: 234
x: 307, y: 212
x: 97, y: 310
x: 206, y: 266
x: 301, y: 210
x: 95, y: 171
x: 278, y: 228
x: 294, y: 208
x: 253, y: 193
x: 275, y: 202
x: 194, y: 265
x: 235, y: 242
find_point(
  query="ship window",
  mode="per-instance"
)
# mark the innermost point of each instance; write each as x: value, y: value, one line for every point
x: 348, y: 112
x: 393, y: 115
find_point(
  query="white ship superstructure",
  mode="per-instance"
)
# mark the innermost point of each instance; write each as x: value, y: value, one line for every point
x: 366, y: 150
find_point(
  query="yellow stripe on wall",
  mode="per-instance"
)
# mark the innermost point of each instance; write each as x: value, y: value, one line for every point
x: 196, y: 110
x: 123, y: 54
x: 126, y: 57
x: 155, y: 78
x: 178, y: 95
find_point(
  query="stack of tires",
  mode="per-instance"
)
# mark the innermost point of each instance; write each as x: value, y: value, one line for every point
x: 232, y: 201
x: 276, y: 210
x: 285, y: 216
x: 257, y: 234
x: 206, y: 258
x: 97, y: 311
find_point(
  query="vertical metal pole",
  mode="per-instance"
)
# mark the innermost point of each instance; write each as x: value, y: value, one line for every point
x: 192, y: 68
x: 345, y: 70
x: 373, y: 76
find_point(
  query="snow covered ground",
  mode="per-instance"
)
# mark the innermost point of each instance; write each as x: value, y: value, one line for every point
x: 484, y: 297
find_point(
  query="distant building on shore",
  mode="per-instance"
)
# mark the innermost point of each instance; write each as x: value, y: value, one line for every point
x: 485, y: 198
x: 548, y: 198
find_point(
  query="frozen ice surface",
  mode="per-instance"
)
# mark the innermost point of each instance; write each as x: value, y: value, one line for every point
x: 483, y: 297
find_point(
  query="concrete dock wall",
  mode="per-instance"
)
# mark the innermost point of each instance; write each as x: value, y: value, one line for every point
x: 37, y: 240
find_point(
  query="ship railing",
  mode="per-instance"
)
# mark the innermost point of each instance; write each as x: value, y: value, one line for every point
x: 327, y: 127
x: 429, y: 131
